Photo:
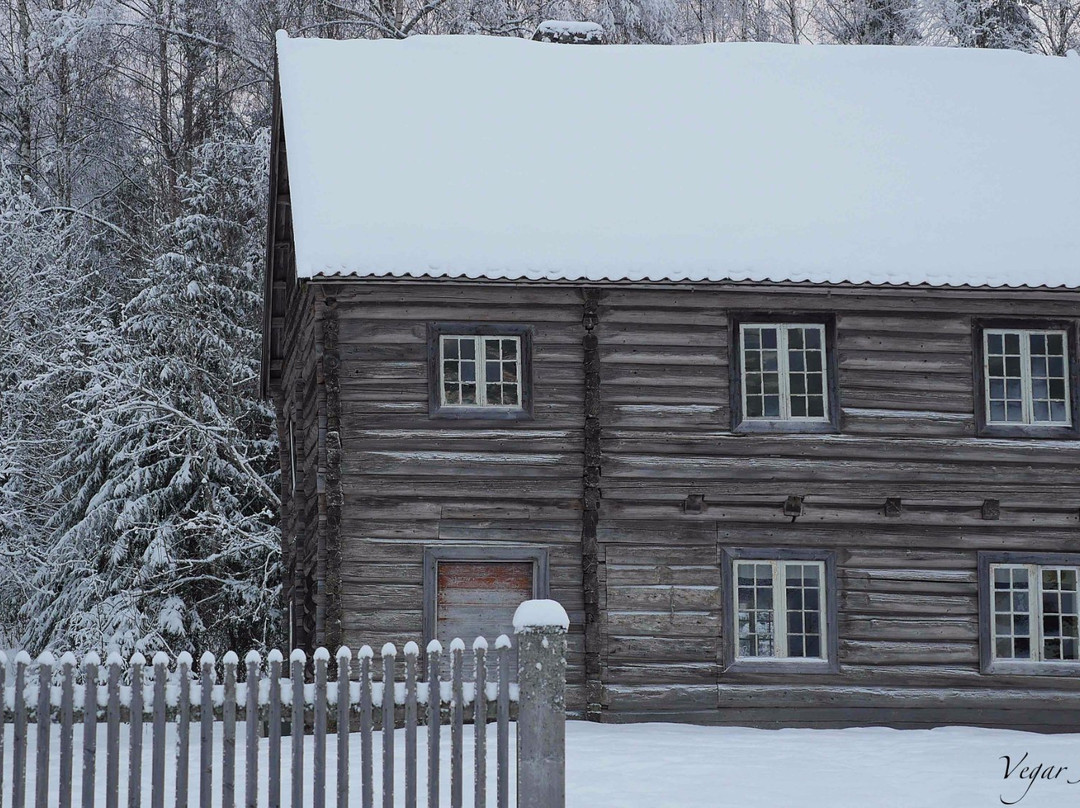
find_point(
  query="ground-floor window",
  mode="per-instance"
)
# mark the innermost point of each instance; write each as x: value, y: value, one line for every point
x: 473, y: 591
x: 779, y: 609
x: 1029, y: 605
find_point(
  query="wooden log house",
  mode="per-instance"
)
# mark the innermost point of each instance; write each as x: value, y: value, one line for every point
x: 761, y: 360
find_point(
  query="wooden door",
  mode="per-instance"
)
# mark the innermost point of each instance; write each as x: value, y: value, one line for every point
x: 478, y: 599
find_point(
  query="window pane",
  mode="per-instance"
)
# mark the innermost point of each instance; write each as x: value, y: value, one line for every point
x: 1049, y: 383
x: 805, y: 380
x: 1059, y: 617
x: 760, y: 372
x: 802, y: 582
x: 755, y: 630
x: 1012, y: 630
x: 1004, y: 380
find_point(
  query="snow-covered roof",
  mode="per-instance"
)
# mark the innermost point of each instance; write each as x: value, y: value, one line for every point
x: 506, y: 158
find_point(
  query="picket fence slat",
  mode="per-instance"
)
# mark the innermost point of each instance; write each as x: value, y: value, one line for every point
x: 228, y: 726
x: 44, y: 731
x: 434, y: 652
x: 112, y: 735
x: 18, y: 760
x: 412, y: 651
x: 67, y: 722
x: 135, y: 732
x: 183, y: 727
x: 502, y: 650
x: 251, y: 726
x: 157, y: 765
x: 480, y: 724
x: 389, y: 656
x: 457, y: 718
x: 344, y: 663
x: 322, y: 657
x: 321, y: 699
x: 3, y: 719
x: 297, y: 661
x: 206, y: 730
x: 273, y: 787
x: 90, y: 689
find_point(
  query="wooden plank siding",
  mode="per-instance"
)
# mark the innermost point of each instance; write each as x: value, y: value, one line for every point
x: 907, y: 584
x: 411, y: 482
x: 908, y: 611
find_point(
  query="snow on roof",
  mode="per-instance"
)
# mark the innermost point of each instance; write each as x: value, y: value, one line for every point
x: 506, y: 158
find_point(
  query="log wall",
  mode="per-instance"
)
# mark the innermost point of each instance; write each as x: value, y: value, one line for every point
x: 908, y: 616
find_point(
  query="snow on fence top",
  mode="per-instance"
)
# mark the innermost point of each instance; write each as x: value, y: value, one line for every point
x: 504, y: 158
x: 540, y: 614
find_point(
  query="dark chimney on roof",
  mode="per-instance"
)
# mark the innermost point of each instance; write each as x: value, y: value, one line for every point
x: 569, y: 32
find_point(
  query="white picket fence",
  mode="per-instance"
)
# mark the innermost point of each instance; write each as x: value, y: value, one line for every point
x: 333, y: 701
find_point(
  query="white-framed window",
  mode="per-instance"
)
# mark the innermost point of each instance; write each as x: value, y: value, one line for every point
x: 1034, y: 613
x: 784, y: 372
x: 779, y: 609
x: 480, y: 371
x: 1027, y: 377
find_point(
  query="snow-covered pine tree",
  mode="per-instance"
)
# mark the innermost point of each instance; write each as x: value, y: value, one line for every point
x: 166, y: 538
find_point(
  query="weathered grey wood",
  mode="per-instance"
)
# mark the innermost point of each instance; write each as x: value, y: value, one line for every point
x: 228, y: 731
x: 389, y: 656
x: 157, y: 766
x: 206, y: 730
x: 183, y: 727
x: 367, y: 777
x: 135, y: 732
x: 322, y: 658
x: 297, y: 660
x: 44, y: 729
x: 480, y: 724
x: 112, y: 733
x: 344, y: 665
x: 91, y: 663
x: 502, y: 738
x: 457, y: 717
x: 67, y: 722
x: 273, y: 785
x: 434, y: 719
x: 541, y: 724
x: 3, y: 720
x: 251, y: 731
x: 412, y: 651
x: 18, y: 758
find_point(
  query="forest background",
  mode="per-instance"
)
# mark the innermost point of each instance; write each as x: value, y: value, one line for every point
x: 138, y: 466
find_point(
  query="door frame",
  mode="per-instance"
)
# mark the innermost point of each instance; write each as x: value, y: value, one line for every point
x: 493, y: 553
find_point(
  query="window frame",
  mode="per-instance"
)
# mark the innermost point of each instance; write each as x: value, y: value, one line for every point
x: 479, y: 412
x: 830, y: 423
x: 988, y: 661
x: 984, y: 428
x: 729, y: 557
x: 477, y: 552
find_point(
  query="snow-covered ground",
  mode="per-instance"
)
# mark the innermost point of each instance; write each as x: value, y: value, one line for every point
x: 676, y: 766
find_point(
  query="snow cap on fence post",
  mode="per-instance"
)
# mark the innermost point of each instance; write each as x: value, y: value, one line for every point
x: 541, y: 626
x: 411, y: 649
x: 343, y: 653
x: 389, y: 650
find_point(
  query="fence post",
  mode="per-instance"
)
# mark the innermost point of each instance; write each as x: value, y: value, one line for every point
x: 541, y: 626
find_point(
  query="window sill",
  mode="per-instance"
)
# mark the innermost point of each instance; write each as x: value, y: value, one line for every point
x: 758, y: 427
x: 800, y: 666
x: 1007, y: 668
x: 482, y: 413
x: 1064, y: 432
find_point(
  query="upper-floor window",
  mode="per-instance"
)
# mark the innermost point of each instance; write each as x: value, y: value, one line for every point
x: 479, y: 370
x: 1031, y: 620
x: 1027, y: 379
x: 782, y: 379
x: 780, y: 610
